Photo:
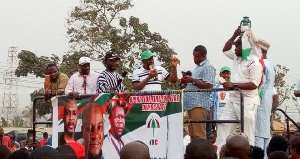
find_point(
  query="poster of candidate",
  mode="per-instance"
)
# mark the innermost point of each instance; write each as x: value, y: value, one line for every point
x: 103, y: 123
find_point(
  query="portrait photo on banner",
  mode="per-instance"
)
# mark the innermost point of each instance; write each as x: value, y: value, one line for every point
x: 102, y: 124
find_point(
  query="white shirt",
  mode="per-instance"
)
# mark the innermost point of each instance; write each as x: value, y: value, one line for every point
x: 76, y: 83
x: 139, y: 74
x: 244, y: 71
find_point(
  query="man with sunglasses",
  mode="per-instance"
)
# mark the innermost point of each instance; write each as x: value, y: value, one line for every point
x: 110, y: 80
x: 82, y: 82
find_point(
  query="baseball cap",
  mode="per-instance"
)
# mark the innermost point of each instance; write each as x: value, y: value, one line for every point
x: 225, y: 68
x: 84, y: 60
x: 146, y: 55
x: 110, y: 55
x: 263, y: 44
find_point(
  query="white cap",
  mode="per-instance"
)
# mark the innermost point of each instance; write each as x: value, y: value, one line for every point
x: 84, y: 60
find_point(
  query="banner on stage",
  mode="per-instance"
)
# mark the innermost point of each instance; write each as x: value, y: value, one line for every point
x: 103, y: 123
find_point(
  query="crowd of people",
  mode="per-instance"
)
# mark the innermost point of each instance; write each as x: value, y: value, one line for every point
x: 253, y: 76
x: 237, y: 146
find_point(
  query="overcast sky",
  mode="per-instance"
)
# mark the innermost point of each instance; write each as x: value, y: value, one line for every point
x: 39, y: 26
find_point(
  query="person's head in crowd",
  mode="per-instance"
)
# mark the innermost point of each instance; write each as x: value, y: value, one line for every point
x: 45, y: 135
x: 93, y: 129
x: 277, y: 143
x: 53, y: 71
x: 257, y: 153
x: 200, y: 149
x: 70, y: 118
x: 278, y: 155
x: 19, y: 154
x: 110, y: 61
x: 84, y: 64
x: 225, y: 73
x: 44, y: 152
x: 237, y: 145
x: 135, y: 150
x: 199, y: 54
x: 294, y: 149
x: 66, y: 152
x: 117, y: 120
x: 4, y: 152
x: 30, y: 144
x: 212, y: 137
x: 22, y: 143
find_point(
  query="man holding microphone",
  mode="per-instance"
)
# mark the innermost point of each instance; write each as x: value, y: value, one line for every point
x: 149, y: 77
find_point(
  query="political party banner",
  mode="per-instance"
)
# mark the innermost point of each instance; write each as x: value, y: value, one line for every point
x: 103, y: 123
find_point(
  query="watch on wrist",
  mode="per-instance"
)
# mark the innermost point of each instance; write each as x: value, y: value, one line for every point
x: 235, y: 85
x: 194, y: 82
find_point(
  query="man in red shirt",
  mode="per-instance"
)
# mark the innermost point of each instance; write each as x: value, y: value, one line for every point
x: 5, y: 140
x: 45, y: 139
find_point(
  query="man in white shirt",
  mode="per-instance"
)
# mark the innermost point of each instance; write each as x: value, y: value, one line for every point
x: 149, y: 77
x: 82, y: 82
x: 246, y: 74
x: 113, y: 142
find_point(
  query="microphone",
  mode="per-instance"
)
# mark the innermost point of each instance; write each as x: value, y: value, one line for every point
x: 124, y: 74
x: 152, y: 67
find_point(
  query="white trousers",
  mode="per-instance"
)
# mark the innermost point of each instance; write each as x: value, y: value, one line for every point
x: 262, y: 143
x: 232, y: 112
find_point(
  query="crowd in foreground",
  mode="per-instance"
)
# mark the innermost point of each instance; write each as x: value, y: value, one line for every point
x: 237, y: 147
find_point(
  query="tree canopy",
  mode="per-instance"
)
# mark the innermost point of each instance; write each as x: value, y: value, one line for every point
x: 94, y: 28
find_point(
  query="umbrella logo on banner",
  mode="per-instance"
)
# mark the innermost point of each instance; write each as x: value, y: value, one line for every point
x: 153, y: 123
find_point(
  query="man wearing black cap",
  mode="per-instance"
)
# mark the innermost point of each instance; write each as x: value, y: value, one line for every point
x: 109, y: 80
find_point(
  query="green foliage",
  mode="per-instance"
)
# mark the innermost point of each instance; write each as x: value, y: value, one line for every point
x: 17, y: 121
x: 284, y: 90
x: 28, y: 114
x: 4, y: 122
x: 96, y: 27
x: 42, y: 107
x: 29, y: 63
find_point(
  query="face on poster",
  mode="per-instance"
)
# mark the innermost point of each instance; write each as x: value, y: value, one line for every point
x: 102, y: 124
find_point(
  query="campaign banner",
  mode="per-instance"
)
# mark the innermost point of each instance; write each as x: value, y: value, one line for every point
x: 104, y: 123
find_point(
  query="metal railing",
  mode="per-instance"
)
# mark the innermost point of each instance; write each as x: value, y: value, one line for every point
x: 287, y: 120
x: 34, y: 117
x: 241, y: 121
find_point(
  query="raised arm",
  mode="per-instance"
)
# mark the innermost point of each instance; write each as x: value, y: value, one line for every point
x: 173, y: 77
x: 230, y: 42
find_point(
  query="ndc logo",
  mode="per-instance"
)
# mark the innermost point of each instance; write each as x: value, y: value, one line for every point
x: 153, y: 124
x: 153, y: 142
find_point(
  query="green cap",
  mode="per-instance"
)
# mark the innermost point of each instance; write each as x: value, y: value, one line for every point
x: 225, y: 68
x: 146, y: 55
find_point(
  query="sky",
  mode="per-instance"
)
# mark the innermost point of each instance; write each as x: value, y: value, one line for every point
x: 40, y: 27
